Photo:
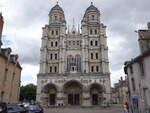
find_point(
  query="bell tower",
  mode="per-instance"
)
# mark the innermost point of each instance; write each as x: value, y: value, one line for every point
x: 51, y: 60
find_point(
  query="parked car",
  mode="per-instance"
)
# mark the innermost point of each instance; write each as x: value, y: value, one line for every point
x: 26, y: 104
x: 15, y: 108
x: 34, y: 109
x: 3, y: 107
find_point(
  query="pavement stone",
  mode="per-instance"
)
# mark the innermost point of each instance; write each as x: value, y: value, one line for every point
x: 84, y: 110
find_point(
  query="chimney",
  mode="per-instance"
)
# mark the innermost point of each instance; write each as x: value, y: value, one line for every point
x: 148, y: 24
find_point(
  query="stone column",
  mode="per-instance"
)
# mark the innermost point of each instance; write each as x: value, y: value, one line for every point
x: 86, y: 101
x: 60, y: 97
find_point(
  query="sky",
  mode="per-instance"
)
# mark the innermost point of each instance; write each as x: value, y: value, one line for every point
x: 24, y: 20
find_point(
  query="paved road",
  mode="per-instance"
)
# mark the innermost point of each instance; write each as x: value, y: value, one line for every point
x: 83, y: 110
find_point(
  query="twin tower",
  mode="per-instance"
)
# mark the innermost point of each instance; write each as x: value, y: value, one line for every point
x: 74, y: 65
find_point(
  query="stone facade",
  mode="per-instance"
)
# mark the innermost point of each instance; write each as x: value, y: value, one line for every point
x: 10, y: 73
x: 138, y: 71
x: 74, y: 66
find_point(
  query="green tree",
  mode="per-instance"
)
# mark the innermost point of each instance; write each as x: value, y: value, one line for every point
x: 28, y: 92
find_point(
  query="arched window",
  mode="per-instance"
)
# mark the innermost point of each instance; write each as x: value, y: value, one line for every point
x: 78, y: 63
x: 56, y: 32
x: 56, y: 44
x: 73, y: 42
x: 92, y: 68
x: 91, y: 32
x: 91, y: 42
x: 93, y: 17
x: 51, y: 44
x: 50, y: 69
x: 91, y: 55
x: 96, y: 55
x: 55, y: 69
x: 52, y: 32
x: 96, y: 31
x: 97, y: 68
x: 55, y: 56
x: 96, y: 43
x: 56, y: 17
x: 51, y: 56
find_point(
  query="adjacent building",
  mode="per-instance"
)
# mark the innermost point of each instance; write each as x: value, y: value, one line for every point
x: 120, y: 94
x: 74, y: 65
x: 138, y: 71
x: 10, y: 73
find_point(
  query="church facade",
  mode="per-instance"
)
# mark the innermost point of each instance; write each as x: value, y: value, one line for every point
x: 74, y: 65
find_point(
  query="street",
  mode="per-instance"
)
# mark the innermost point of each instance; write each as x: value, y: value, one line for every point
x: 83, y: 110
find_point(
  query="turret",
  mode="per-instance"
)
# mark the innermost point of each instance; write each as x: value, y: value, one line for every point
x: 92, y: 15
x: 56, y: 15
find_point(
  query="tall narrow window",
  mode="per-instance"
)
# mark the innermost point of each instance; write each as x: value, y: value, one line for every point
x: 96, y: 43
x: 5, y: 74
x: 51, y: 56
x: 56, y: 44
x: 96, y: 55
x: 93, y: 17
x: 131, y: 69
x: 91, y: 32
x: 50, y: 69
x: 55, y: 17
x: 91, y: 42
x: 13, y: 78
x: 97, y: 68
x: 73, y: 42
x: 133, y: 84
x: 78, y: 43
x: 55, y: 69
x: 96, y: 31
x: 51, y: 44
x: 69, y: 42
x: 55, y: 56
x: 56, y: 32
x: 142, y: 68
x: 52, y: 32
x: 91, y: 55
x: 92, y: 68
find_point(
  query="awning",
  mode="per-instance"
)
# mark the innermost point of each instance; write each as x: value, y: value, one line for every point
x: 134, y: 97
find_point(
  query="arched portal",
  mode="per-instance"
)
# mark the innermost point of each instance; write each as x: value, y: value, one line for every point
x: 51, y: 91
x: 73, y: 93
x: 96, y: 93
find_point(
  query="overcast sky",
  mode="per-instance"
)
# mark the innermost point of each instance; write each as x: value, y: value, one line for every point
x: 25, y: 18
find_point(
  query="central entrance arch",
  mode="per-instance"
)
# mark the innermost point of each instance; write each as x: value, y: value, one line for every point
x: 73, y: 93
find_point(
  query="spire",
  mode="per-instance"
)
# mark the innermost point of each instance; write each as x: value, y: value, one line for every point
x: 68, y: 29
x: 73, y: 27
x: 57, y: 2
x: 78, y: 29
x: 92, y: 2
